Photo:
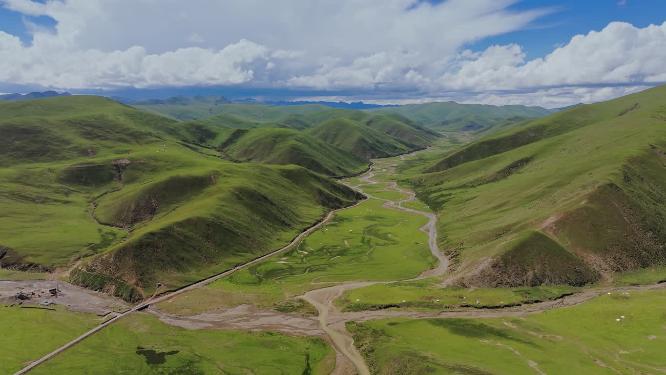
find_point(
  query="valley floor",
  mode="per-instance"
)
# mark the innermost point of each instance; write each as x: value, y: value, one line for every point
x: 363, y: 292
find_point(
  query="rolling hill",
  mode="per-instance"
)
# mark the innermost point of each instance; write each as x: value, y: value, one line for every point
x: 202, y: 107
x: 332, y: 141
x: 442, y: 116
x: 288, y: 146
x: 118, y: 194
x: 451, y: 116
x: 571, y: 198
x: 32, y: 95
x: 376, y: 138
x: 183, y: 108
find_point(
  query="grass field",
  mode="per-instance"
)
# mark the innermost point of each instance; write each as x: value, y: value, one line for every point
x: 381, y: 191
x: 367, y: 242
x: 617, y: 333
x: 429, y: 294
x: 6, y: 274
x: 471, y: 118
x: 417, y: 205
x: 288, y: 146
x: 28, y: 334
x: 141, y: 344
x: 650, y: 275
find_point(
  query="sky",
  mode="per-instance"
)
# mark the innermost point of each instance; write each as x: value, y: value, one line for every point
x: 550, y: 53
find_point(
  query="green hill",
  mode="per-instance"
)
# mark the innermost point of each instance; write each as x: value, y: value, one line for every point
x: 287, y: 146
x: 372, y: 140
x: 271, y: 145
x: 570, y: 198
x: 452, y: 116
x: 202, y: 107
x: 118, y: 192
x: 402, y: 129
x: 342, y: 143
x: 184, y: 108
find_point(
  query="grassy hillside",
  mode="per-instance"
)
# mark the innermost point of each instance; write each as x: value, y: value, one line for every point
x: 89, y: 179
x: 196, y: 108
x: 341, y: 144
x: 402, y: 129
x: 287, y: 146
x: 452, y: 116
x: 570, y: 198
x: 448, y: 116
x: 184, y: 108
x: 367, y: 141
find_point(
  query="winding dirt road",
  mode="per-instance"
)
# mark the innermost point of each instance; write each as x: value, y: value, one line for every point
x: 154, y: 300
x: 331, y: 322
x: 321, y: 299
x: 331, y: 319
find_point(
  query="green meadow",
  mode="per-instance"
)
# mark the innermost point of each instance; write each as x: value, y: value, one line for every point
x: 27, y: 334
x: 86, y: 178
x: 7, y: 274
x: 616, y: 333
x: 367, y: 242
x: 429, y: 294
x: 141, y: 344
x: 381, y: 191
x: 644, y: 276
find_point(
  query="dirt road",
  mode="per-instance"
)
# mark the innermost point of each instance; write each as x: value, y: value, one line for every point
x: 169, y: 295
x: 332, y: 321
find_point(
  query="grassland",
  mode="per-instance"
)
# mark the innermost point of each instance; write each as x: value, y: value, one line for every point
x: 367, y: 242
x: 440, y: 116
x: 88, y: 178
x: 571, y: 198
x: 335, y: 139
x: 288, y: 146
x: 616, y: 333
x: 452, y: 116
x: 429, y: 294
x: 216, y: 109
x: 28, y: 334
x: 142, y: 344
x: 644, y: 276
x: 8, y: 274
x: 361, y: 141
x: 329, y: 141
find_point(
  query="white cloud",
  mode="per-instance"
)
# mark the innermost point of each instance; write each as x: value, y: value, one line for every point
x: 377, y: 46
x: 51, y: 65
x: 310, y: 43
x: 620, y: 53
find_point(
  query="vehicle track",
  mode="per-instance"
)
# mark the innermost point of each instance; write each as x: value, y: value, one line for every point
x: 331, y: 321
x: 163, y: 297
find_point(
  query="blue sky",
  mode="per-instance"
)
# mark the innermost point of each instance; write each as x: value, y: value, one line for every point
x: 573, y: 17
x: 388, y: 51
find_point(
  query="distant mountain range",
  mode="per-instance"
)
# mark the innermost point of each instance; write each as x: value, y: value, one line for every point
x: 33, y: 95
x: 440, y: 116
x: 184, y: 100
